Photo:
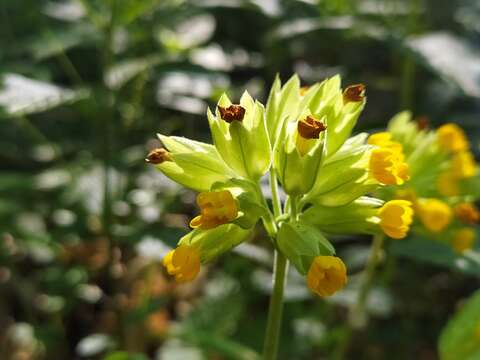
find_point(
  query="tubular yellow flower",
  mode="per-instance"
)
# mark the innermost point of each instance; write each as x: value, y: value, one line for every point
x: 452, y: 138
x: 467, y: 213
x: 395, y: 218
x: 384, y: 141
x: 434, y: 214
x: 463, y: 164
x: 326, y: 275
x: 447, y: 184
x: 463, y: 240
x: 387, y: 167
x: 216, y: 208
x: 183, y: 263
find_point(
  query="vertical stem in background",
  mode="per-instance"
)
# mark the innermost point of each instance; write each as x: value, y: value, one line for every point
x: 357, y: 314
x: 275, y: 310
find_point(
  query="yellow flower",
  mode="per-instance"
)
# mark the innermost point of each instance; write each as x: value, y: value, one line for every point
x: 447, y: 184
x: 326, y: 275
x: 384, y: 141
x: 387, y: 167
x: 463, y: 240
x: 463, y: 164
x: 467, y: 213
x: 434, y: 214
x: 395, y: 218
x: 183, y: 262
x: 452, y: 138
x: 216, y: 208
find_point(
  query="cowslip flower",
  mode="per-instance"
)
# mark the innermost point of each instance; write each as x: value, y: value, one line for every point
x: 396, y: 217
x: 217, y: 208
x: 434, y: 214
x: 326, y: 275
x: 183, y: 263
x: 452, y: 138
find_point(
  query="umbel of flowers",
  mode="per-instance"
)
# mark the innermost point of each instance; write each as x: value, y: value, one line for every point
x: 444, y: 180
x: 302, y: 138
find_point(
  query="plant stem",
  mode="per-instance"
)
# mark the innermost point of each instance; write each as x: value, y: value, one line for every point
x: 275, y: 310
x: 357, y: 315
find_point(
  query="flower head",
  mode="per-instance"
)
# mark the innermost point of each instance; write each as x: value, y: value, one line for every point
x: 183, y: 263
x: 452, y: 138
x: 326, y: 275
x: 387, y: 167
x: 216, y: 208
x: 434, y: 214
x: 395, y: 218
x: 463, y: 240
x: 467, y: 213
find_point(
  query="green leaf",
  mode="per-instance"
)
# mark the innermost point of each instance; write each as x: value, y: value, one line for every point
x: 460, y: 339
x: 123, y: 355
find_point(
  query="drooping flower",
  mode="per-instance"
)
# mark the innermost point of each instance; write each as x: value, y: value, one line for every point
x: 396, y: 217
x: 183, y: 263
x: 434, y: 214
x: 387, y: 167
x: 452, y: 138
x: 327, y: 275
x: 216, y: 208
x: 463, y: 240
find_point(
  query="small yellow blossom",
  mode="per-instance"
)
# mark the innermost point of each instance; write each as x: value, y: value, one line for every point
x: 463, y: 240
x: 216, y: 208
x: 447, y: 184
x: 463, y: 164
x: 326, y: 275
x: 467, y: 213
x: 387, y: 167
x: 434, y: 214
x: 396, y: 217
x: 452, y: 138
x: 384, y: 141
x: 183, y: 263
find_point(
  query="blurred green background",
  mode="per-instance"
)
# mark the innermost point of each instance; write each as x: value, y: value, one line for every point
x: 84, y: 222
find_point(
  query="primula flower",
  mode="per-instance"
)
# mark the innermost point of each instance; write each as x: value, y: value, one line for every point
x: 396, y: 217
x: 434, y: 214
x: 463, y: 164
x: 216, y: 207
x: 183, y: 263
x: 384, y: 141
x: 448, y: 184
x: 326, y: 275
x: 388, y: 167
x: 452, y: 138
x: 463, y: 240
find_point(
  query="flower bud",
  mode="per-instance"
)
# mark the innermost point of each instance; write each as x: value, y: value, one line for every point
x: 326, y: 275
x: 240, y: 135
x: 193, y: 164
x: 467, y: 213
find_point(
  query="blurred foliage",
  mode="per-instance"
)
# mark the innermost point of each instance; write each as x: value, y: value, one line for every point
x: 86, y: 84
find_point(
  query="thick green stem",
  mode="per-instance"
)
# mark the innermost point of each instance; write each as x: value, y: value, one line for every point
x: 357, y: 315
x: 275, y: 310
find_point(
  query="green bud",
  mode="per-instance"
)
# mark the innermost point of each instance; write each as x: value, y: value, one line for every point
x: 357, y: 217
x: 301, y: 243
x: 193, y: 164
x: 214, y: 242
x: 240, y: 135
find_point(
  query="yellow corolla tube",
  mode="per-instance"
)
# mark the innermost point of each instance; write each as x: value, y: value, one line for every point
x: 216, y: 208
x: 452, y: 138
x: 434, y: 214
x: 387, y: 167
x: 183, y: 263
x: 396, y: 216
x: 326, y: 275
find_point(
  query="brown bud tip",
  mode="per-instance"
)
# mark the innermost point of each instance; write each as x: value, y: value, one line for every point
x: 232, y: 113
x: 354, y: 93
x: 158, y: 156
x: 422, y: 122
x: 310, y: 128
